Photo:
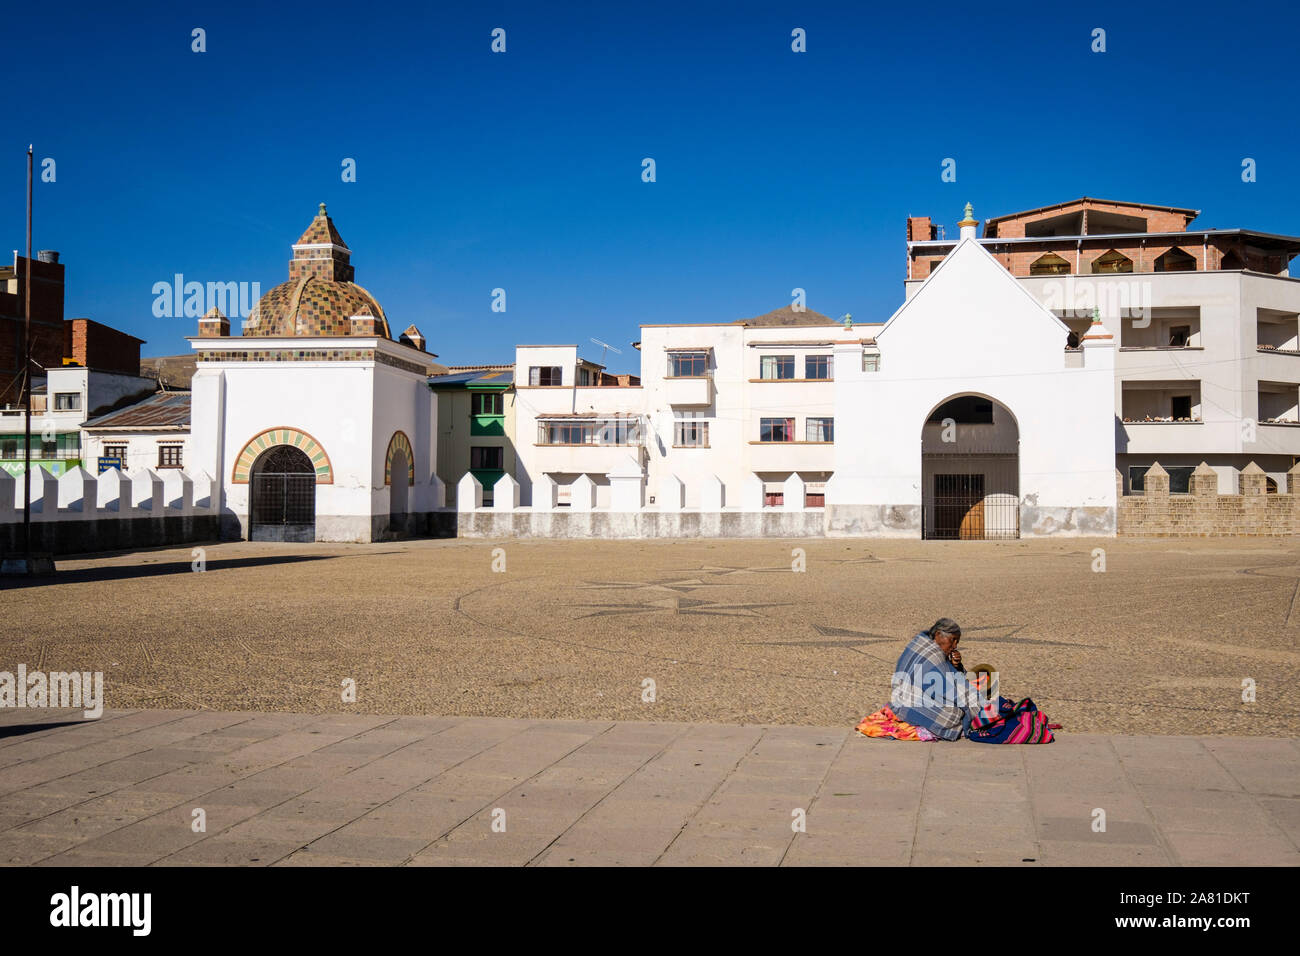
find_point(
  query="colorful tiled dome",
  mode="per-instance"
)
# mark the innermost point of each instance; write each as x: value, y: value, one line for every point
x: 320, y: 297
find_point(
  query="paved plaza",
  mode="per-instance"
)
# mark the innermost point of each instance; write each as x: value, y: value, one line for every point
x: 295, y: 789
x: 678, y: 702
x: 1160, y: 642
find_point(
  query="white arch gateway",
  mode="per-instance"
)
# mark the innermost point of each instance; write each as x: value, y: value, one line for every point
x: 972, y: 330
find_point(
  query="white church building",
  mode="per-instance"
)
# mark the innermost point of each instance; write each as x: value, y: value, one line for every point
x: 318, y: 422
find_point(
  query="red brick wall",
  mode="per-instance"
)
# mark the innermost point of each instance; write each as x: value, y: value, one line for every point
x: 1157, y: 220
x: 99, y: 347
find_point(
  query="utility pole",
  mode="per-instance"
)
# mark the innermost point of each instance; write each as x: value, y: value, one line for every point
x: 28, y: 563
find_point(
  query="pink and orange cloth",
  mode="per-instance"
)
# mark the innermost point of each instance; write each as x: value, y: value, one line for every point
x: 883, y: 723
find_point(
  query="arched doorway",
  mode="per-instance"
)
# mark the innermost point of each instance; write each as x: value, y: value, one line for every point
x: 970, y: 470
x: 397, y: 490
x: 282, y: 505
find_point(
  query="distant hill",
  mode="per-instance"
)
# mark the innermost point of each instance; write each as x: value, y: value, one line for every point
x: 172, y: 371
x: 786, y: 315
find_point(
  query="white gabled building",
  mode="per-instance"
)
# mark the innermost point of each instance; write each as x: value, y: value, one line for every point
x: 964, y: 416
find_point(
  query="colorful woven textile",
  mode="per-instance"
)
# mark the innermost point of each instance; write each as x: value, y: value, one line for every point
x: 1015, y: 723
x: 883, y: 723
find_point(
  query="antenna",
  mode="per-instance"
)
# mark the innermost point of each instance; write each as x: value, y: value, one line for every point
x: 605, y: 346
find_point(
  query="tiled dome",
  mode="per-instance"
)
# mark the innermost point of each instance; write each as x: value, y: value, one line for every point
x: 320, y: 297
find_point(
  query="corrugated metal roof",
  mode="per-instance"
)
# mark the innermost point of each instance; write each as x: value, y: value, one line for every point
x: 160, y: 410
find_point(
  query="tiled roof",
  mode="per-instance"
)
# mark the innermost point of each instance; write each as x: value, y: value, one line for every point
x: 321, y: 231
x: 313, y: 305
x: 160, y: 410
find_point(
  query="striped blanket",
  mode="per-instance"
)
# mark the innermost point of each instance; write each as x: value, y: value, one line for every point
x: 1014, y: 723
x: 929, y: 692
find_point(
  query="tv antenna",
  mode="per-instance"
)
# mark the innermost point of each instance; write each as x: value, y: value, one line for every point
x: 605, y: 346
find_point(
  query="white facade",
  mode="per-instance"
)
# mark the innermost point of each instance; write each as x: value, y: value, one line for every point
x: 823, y: 416
x: 350, y: 404
x: 1236, y: 367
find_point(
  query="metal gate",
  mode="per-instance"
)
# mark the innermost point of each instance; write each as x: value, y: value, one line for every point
x: 971, y: 506
x: 283, y: 504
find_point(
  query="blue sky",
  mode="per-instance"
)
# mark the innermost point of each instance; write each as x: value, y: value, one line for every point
x: 522, y: 170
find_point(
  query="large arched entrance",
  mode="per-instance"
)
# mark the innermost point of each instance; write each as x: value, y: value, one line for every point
x: 970, y: 470
x: 282, y: 505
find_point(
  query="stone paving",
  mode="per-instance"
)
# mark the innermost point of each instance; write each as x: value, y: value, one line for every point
x: 287, y: 789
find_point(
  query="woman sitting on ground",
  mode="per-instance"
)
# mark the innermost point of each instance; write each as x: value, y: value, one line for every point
x: 930, y: 689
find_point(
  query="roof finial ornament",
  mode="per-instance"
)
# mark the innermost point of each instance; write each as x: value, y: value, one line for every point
x: 1096, y: 316
x: 968, y: 224
x: 847, y: 319
x: 322, y: 210
x: 970, y: 211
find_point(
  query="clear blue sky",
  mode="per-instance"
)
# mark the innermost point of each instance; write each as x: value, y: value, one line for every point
x: 523, y: 170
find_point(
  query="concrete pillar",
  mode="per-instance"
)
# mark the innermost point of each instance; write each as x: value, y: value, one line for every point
x: 792, y: 494
x: 505, y: 494
x: 113, y: 492
x: 146, y: 492
x: 437, y: 493
x: 582, y: 494
x: 78, y: 493
x: 204, y: 492
x: 751, y: 493
x: 672, y: 494
x: 178, y: 491
x: 627, y: 486
x: 712, y: 494
x: 469, y: 493
x: 44, y: 493
x: 546, y: 494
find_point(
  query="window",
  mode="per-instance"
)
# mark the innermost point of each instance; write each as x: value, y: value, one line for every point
x: 50, y: 449
x: 489, y: 403
x: 1181, y: 406
x: 776, y: 429
x: 67, y: 401
x: 1175, y: 260
x: 817, y: 366
x: 591, y: 431
x: 1180, y: 335
x: 544, y: 375
x: 169, y: 456
x: 1112, y: 261
x: 1049, y: 265
x: 585, y: 376
x: 1179, y: 478
x: 871, y: 361
x: 688, y: 364
x: 9, y: 448
x: 115, y: 451
x: 773, y: 499
x: 821, y: 429
x: 690, y: 433
x: 776, y: 366
x: 486, y: 458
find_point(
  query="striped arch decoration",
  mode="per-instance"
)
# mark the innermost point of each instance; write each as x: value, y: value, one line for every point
x: 399, y: 442
x: 283, y: 436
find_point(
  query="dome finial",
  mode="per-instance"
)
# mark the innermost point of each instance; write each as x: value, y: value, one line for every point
x: 322, y: 210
